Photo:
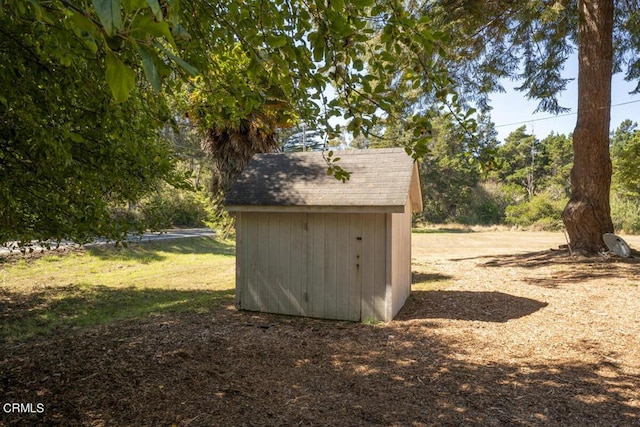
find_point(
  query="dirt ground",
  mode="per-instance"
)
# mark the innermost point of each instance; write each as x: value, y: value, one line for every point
x: 500, y: 331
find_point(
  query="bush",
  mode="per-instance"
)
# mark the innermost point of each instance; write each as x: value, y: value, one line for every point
x: 487, y: 205
x: 170, y: 207
x: 480, y: 205
x: 625, y: 213
x: 540, y: 212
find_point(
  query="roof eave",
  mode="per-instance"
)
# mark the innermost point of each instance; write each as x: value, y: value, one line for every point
x: 316, y: 209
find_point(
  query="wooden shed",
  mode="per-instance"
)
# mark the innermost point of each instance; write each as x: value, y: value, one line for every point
x: 311, y: 245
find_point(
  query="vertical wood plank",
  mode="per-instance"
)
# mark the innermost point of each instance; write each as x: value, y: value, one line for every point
x: 304, y: 254
x: 404, y: 261
x: 262, y: 258
x: 354, y: 289
x: 316, y: 264
x: 273, y: 280
x: 343, y: 267
x: 368, y: 267
x: 380, y: 266
x: 284, y: 263
x: 240, y: 258
x: 390, y: 273
x: 298, y: 263
x: 250, y: 297
x: 401, y: 259
x: 331, y: 256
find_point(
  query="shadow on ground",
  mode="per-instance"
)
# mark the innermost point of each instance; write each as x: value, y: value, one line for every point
x: 153, y: 251
x: 221, y: 369
x: 144, y: 252
x: 463, y: 305
x: 421, y: 276
x: 567, y: 269
x: 58, y: 309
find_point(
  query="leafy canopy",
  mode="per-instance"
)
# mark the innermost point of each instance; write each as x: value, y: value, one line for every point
x: 88, y: 84
x: 76, y: 137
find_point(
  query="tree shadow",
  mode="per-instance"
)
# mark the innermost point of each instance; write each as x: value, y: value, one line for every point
x: 568, y: 269
x: 283, y: 180
x: 420, y: 277
x: 147, y: 252
x: 25, y: 316
x: 464, y: 305
x: 532, y: 259
x: 224, y: 370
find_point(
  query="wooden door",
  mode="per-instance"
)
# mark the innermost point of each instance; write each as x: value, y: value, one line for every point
x: 334, y: 265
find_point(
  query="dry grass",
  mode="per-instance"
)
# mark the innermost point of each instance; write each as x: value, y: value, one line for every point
x: 499, y: 331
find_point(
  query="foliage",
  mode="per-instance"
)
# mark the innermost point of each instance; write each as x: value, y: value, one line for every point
x: 625, y: 213
x: 625, y: 151
x: 556, y: 158
x: 237, y: 116
x: 87, y: 86
x: 170, y: 207
x: 625, y: 201
x: 530, y: 41
x: 450, y: 175
x: 275, y: 64
x: 72, y: 144
x: 301, y: 138
x: 540, y: 212
x: 521, y: 166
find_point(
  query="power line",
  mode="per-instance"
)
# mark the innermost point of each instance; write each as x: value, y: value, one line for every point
x: 559, y: 115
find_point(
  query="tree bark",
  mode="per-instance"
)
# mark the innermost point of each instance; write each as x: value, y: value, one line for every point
x: 587, y: 216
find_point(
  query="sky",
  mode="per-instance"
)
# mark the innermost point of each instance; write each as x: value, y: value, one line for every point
x: 512, y: 110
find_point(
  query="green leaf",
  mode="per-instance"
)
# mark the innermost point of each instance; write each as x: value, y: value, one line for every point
x: 75, y: 137
x: 149, y: 67
x: 155, y: 8
x: 109, y: 14
x: 120, y: 78
x: 277, y: 41
x: 361, y: 4
x: 145, y: 26
x: 181, y: 62
x: 337, y: 5
x: 132, y: 6
x: 83, y: 23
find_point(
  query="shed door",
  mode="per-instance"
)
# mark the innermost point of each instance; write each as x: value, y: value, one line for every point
x: 312, y: 264
x: 334, y: 265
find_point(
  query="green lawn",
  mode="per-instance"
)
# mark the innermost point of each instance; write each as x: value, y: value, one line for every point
x: 104, y: 284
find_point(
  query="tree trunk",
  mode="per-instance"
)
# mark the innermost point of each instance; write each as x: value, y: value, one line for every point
x: 588, y: 215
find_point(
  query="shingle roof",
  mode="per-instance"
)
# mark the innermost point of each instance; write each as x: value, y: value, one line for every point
x: 381, y: 180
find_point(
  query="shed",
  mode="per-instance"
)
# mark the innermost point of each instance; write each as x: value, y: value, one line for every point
x: 308, y: 244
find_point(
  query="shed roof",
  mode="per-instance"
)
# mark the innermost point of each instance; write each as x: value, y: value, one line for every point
x: 381, y: 180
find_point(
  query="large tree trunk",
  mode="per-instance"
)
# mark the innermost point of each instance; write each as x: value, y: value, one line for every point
x: 588, y: 215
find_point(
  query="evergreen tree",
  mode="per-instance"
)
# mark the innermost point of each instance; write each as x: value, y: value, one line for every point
x: 557, y: 160
x: 450, y: 175
x: 625, y: 150
x: 530, y: 41
x: 521, y: 154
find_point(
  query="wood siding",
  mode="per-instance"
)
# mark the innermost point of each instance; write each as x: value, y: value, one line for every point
x: 325, y: 265
x: 400, y: 258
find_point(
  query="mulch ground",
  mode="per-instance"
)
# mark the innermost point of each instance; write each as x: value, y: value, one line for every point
x: 503, y: 339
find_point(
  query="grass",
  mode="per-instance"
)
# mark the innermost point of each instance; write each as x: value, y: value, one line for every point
x: 105, y: 284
